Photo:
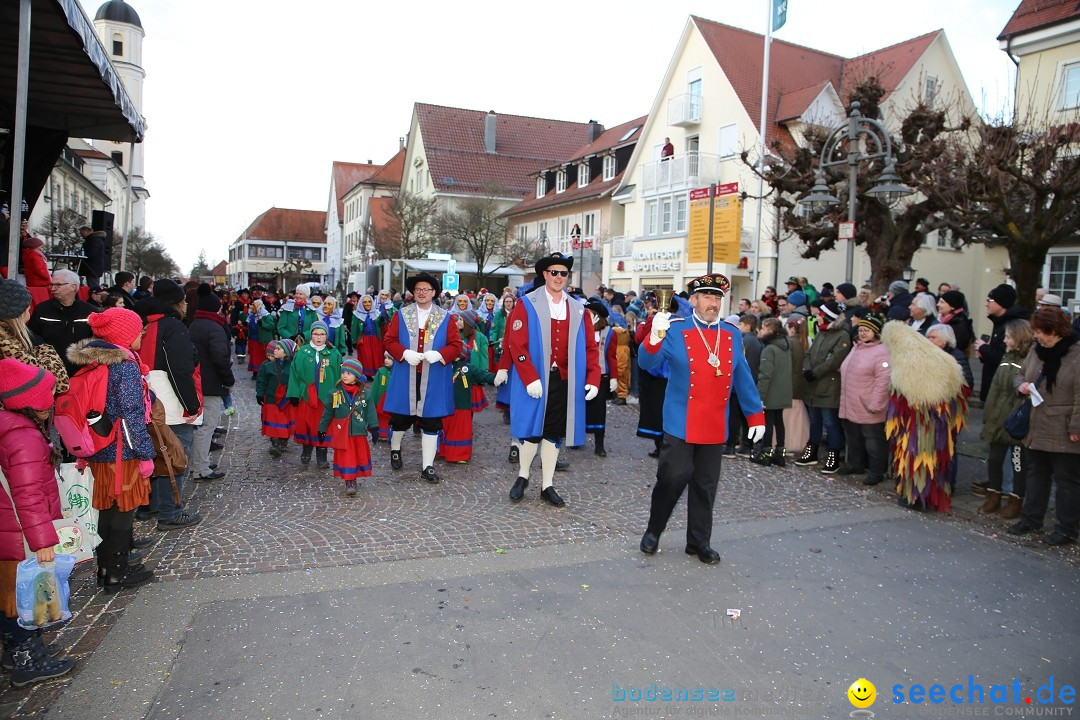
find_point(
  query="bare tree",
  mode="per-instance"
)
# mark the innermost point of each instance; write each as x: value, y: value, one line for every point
x: 292, y: 271
x: 405, y: 228
x: 61, y: 226
x: 476, y: 224
x: 145, y: 256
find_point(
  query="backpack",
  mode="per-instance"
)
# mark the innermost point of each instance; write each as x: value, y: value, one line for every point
x: 86, y: 395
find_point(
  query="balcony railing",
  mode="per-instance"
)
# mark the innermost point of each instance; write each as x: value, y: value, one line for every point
x: 680, y: 172
x: 566, y: 244
x: 684, y: 110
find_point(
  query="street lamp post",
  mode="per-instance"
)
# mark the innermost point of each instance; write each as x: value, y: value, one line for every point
x: 860, y: 138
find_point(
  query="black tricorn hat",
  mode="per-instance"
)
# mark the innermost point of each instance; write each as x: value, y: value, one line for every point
x: 410, y: 283
x: 554, y: 259
x: 597, y: 307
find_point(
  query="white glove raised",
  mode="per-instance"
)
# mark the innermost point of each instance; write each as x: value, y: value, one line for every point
x: 755, y: 433
x: 501, y: 377
x: 412, y: 357
x: 661, y: 321
x: 613, y: 384
x: 591, y: 391
x: 535, y: 389
x: 434, y: 356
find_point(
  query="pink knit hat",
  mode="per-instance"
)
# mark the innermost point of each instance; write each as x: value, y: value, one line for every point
x: 117, y: 326
x: 25, y: 386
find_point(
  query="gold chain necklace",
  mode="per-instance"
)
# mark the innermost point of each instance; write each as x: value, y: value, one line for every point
x: 714, y: 353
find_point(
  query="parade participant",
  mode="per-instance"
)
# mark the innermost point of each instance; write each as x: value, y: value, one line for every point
x: 368, y: 334
x: 471, y: 373
x: 270, y: 388
x: 552, y: 345
x: 461, y: 303
x: 296, y: 316
x: 623, y: 339
x: 315, y: 371
x: 338, y: 335
x: 238, y: 322
x: 349, y: 417
x: 695, y: 411
x: 352, y: 301
x: 259, y: 333
x: 652, y: 382
x: 377, y: 393
x: 596, y: 409
x: 486, y: 310
x: 498, y: 329
x: 122, y: 470
x: 424, y: 343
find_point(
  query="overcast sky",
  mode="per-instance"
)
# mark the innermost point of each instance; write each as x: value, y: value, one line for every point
x: 249, y: 103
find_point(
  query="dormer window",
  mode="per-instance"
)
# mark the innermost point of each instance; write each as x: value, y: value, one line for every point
x: 583, y: 174
x: 560, y: 181
x: 541, y: 186
x: 609, y: 167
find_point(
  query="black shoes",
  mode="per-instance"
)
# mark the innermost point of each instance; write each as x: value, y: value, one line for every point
x: 395, y: 459
x: 350, y: 488
x: 140, y: 543
x: 430, y: 475
x: 728, y: 452
x: 144, y: 513
x: 214, y: 475
x: 832, y: 463
x: 649, y: 543
x: 848, y: 470
x: 1058, y: 538
x: 561, y: 466
x: 873, y: 479
x: 305, y: 454
x: 552, y: 497
x: 777, y: 457
x: 704, y: 553
x: 214, y: 447
x: 654, y: 453
x: 619, y: 401
x: 518, y: 491
x: 184, y: 520
x: 120, y: 575
x: 321, y: 461
x: 808, y: 457
x: 1023, y: 527
x: 515, y: 454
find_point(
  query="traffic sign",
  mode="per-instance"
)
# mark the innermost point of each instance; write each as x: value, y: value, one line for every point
x: 846, y: 230
x: 450, y: 281
x: 451, y: 267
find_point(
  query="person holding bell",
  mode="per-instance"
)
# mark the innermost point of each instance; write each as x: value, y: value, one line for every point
x: 706, y: 363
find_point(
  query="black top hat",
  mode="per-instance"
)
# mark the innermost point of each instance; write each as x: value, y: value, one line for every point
x: 554, y: 259
x: 410, y: 283
x: 597, y: 307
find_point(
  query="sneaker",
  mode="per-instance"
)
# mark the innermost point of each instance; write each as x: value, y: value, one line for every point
x: 181, y: 521
x: 230, y: 410
x: 808, y: 457
x: 632, y: 400
x: 619, y: 401
x: 728, y: 452
x: 832, y: 463
x: 214, y: 475
x: 214, y: 447
x: 142, y: 514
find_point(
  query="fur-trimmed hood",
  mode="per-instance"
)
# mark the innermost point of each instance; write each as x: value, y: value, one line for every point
x: 921, y: 371
x: 94, y: 350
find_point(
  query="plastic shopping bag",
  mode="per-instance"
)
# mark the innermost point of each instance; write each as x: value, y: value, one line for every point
x: 42, y: 591
x: 78, y: 529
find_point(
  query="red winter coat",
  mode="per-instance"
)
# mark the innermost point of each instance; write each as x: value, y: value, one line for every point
x: 35, y: 269
x: 24, y: 458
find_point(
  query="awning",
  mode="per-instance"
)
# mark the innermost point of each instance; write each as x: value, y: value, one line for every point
x: 437, y: 267
x: 73, y: 84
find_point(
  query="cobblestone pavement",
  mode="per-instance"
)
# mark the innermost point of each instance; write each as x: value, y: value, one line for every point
x: 272, y: 515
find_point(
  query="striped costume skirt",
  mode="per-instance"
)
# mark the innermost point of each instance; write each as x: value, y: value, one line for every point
x: 457, y: 437
x: 352, y: 458
x: 308, y: 416
x: 256, y: 354
x: 277, y: 417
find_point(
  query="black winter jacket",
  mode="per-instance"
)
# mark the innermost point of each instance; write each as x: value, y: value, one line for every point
x: 62, y: 327
x: 992, y: 352
x: 211, y: 340
x: 170, y: 350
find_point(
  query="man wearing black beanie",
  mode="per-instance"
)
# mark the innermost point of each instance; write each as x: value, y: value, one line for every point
x: 1001, y: 307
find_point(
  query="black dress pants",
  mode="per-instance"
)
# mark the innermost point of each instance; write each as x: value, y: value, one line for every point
x: 691, y: 467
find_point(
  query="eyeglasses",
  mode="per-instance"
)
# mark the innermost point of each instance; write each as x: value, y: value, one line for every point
x: 423, y: 290
x: 59, y: 284
x: 559, y: 273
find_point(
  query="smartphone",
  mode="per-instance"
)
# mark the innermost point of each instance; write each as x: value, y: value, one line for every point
x: 985, y: 338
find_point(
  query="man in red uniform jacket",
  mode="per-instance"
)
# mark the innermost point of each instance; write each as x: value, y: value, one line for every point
x: 705, y: 359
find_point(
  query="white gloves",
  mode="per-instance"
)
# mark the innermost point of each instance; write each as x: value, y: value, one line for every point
x: 535, y: 389
x: 500, y: 377
x: 661, y: 321
x: 613, y: 385
x: 591, y: 392
x: 755, y: 433
x: 412, y: 357
x: 434, y: 356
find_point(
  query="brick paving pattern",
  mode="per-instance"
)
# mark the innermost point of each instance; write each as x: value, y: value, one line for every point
x: 272, y: 515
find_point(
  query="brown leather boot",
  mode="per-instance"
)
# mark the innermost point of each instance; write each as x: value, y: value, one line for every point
x: 1010, y: 510
x: 992, y: 502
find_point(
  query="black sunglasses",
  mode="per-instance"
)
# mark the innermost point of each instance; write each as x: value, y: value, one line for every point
x: 559, y: 273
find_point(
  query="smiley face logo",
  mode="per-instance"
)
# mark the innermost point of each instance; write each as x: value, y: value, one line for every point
x: 862, y: 693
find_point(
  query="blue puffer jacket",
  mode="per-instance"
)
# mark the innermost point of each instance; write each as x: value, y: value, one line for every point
x: 126, y: 398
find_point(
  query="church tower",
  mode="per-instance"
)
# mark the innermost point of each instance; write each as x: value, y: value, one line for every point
x: 121, y: 33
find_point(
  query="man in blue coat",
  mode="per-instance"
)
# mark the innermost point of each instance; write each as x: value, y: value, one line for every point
x: 556, y: 369
x: 424, y: 343
x: 706, y: 363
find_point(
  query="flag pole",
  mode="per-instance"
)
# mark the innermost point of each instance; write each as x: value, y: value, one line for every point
x: 761, y: 146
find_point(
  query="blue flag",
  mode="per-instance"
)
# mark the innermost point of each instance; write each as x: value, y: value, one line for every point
x: 779, y: 14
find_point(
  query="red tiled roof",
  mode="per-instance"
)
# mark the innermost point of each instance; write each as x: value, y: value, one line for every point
x: 390, y: 173
x: 95, y: 154
x: 794, y: 68
x: 222, y: 268
x: 1035, y: 14
x: 793, y: 104
x: 286, y: 224
x: 454, y: 145
x: 612, y: 138
x: 346, y: 175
